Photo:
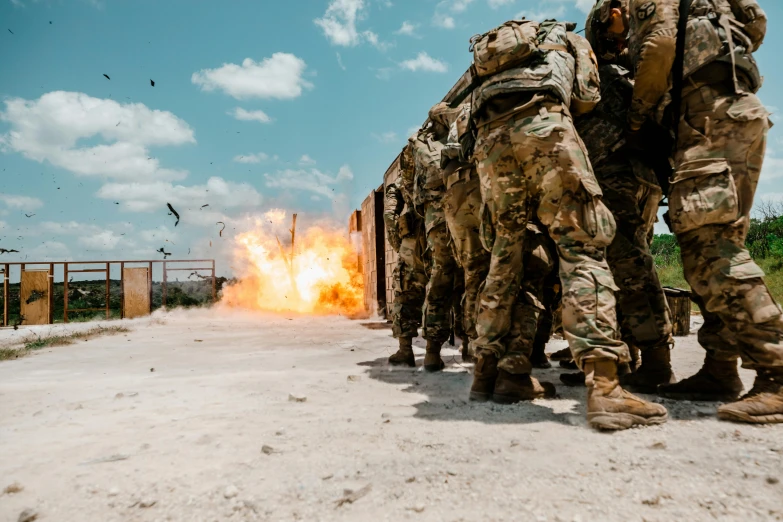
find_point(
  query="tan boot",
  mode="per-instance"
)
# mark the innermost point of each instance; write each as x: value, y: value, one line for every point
x: 609, y: 407
x: 656, y: 369
x: 404, y: 356
x: 485, y: 373
x: 763, y: 404
x: 432, y: 360
x: 715, y: 381
x: 511, y: 388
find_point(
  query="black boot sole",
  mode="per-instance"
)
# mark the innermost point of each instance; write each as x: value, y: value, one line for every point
x: 480, y: 396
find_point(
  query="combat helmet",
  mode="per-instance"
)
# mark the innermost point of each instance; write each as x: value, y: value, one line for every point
x: 607, y: 49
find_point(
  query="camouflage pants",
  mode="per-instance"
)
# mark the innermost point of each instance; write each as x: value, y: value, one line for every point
x: 410, y: 281
x: 722, y: 138
x: 440, y: 288
x: 533, y: 164
x: 632, y: 195
x: 462, y: 206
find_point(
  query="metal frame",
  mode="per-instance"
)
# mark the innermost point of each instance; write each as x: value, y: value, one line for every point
x: 107, y: 265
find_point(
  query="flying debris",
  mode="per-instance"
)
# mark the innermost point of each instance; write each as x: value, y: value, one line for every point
x: 152, y: 82
x: 10, y: 31
x: 165, y: 254
x: 29, y: 215
x: 4, y: 251
x: 176, y: 215
x: 107, y: 76
x: 222, y: 229
x: 202, y: 206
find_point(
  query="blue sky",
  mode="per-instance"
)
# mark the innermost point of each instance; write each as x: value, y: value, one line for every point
x: 298, y: 105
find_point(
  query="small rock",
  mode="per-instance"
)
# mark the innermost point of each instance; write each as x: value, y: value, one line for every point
x: 327, y: 477
x: 658, y: 445
x: 147, y: 503
x: 652, y: 501
x: 113, y: 492
x: 230, y: 491
x: 267, y: 450
x: 773, y: 480
x: 13, y: 488
x: 418, y: 508
x: 28, y: 515
x: 119, y: 395
x: 410, y: 480
x: 296, y: 398
x: 354, y: 378
x: 385, y: 415
x: 280, y: 432
x: 152, y: 369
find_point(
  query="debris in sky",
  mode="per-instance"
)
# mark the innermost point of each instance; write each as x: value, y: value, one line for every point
x: 107, y: 76
x: 10, y: 31
x: 29, y: 215
x: 202, y: 206
x: 116, y: 202
x: 176, y: 215
x: 118, y: 124
x: 11, y: 251
x: 50, y: 22
x: 152, y: 82
x: 165, y: 254
x: 222, y: 229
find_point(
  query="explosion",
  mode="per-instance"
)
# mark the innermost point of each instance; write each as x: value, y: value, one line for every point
x: 320, y: 275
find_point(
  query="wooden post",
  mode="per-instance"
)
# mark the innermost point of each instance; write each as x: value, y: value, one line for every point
x: 214, y: 287
x: 122, y: 290
x: 65, y: 290
x: 51, y: 293
x: 108, y: 291
x: 150, y: 285
x: 163, y: 290
x: 680, y: 305
x: 6, y: 275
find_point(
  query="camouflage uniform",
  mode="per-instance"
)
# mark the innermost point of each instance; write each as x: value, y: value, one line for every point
x: 428, y: 196
x: 532, y: 164
x: 405, y: 232
x: 632, y: 193
x: 719, y: 153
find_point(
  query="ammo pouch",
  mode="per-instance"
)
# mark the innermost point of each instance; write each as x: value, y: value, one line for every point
x: 504, y: 47
x: 752, y: 18
x: 406, y: 223
x: 714, y: 38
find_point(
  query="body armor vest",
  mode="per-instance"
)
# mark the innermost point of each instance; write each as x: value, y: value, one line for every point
x: 546, y: 71
x: 428, y: 183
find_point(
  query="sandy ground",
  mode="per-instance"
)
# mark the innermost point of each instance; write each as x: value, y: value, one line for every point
x: 92, y: 433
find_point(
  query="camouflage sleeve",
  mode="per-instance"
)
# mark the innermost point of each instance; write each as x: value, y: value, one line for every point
x: 392, y: 208
x: 653, y: 41
x: 587, y: 86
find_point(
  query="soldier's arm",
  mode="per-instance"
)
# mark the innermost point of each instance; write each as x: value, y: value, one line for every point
x: 654, y: 31
x: 392, y: 208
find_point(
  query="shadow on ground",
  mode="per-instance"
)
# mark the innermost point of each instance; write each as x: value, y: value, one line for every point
x: 447, y: 396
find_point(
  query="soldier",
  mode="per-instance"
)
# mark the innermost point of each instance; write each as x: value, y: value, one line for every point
x: 531, y: 163
x: 721, y: 129
x: 632, y: 192
x: 406, y: 234
x: 428, y: 197
x: 462, y: 206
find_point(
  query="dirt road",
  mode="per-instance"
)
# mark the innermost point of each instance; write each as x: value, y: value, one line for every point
x: 212, y: 415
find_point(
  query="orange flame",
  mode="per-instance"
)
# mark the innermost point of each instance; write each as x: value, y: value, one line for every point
x: 322, y: 277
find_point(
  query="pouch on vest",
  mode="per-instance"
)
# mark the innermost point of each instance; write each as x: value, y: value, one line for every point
x: 752, y: 18
x: 504, y: 47
x: 587, y: 85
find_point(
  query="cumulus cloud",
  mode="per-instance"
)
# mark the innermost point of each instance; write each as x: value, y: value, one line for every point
x: 49, y: 129
x: 424, y: 62
x: 20, y: 202
x: 443, y: 21
x: 147, y: 197
x: 241, y: 114
x: 339, y: 24
x: 312, y: 180
x: 251, y: 158
x: 277, y: 77
x: 407, y: 29
x: 386, y: 137
x: 543, y: 12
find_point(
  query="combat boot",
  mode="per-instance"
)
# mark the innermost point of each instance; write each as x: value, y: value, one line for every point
x: 511, y: 388
x: 485, y: 373
x: 467, y: 357
x: 715, y: 381
x: 404, y: 356
x: 538, y: 358
x: 656, y: 369
x: 432, y: 360
x: 763, y: 404
x: 609, y: 407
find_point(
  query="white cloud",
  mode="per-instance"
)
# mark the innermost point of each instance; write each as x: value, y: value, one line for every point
x: 306, y: 161
x: 49, y: 129
x: 278, y: 77
x: 407, y: 29
x: 424, y: 62
x: 494, y: 4
x: 384, y: 73
x: 339, y: 24
x: 20, y: 202
x: 251, y: 158
x: 312, y: 180
x: 543, y: 12
x: 241, y: 114
x: 148, y: 197
x: 340, y: 62
x: 386, y: 137
x: 106, y: 240
x: 443, y: 21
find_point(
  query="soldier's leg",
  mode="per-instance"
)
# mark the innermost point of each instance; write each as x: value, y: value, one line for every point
x: 580, y: 224
x: 645, y: 316
x: 722, y: 138
x: 439, y: 295
x: 409, y: 286
x: 541, y: 271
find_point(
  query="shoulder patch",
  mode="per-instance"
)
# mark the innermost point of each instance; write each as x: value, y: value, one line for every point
x: 646, y: 10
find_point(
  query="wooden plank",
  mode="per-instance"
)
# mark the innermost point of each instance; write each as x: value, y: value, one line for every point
x: 679, y: 301
x: 35, y: 297
x: 136, y: 295
x: 368, y: 250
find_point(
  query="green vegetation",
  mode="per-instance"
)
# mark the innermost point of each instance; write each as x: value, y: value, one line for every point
x: 764, y: 241
x: 37, y: 343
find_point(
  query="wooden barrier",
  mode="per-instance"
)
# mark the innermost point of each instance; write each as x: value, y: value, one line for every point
x: 680, y: 305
